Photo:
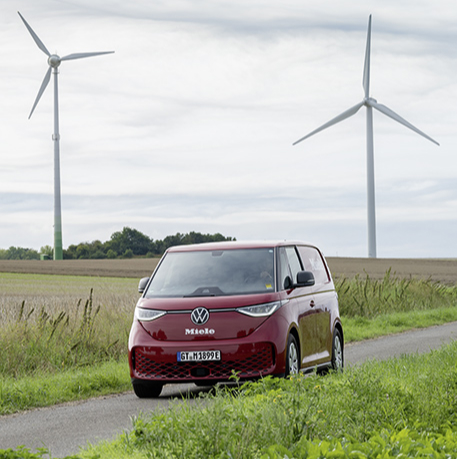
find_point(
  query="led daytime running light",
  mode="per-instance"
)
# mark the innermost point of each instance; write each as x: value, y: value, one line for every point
x: 261, y: 310
x: 146, y: 315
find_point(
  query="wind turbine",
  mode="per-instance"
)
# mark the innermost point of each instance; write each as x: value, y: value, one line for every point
x: 54, y: 61
x: 369, y: 103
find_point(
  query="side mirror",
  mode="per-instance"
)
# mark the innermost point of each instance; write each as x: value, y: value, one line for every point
x: 142, y: 284
x: 288, y: 284
x: 305, y: 279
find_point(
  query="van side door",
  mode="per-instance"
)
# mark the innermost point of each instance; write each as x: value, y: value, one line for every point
x: 302, y: 302
x: 324, y: 299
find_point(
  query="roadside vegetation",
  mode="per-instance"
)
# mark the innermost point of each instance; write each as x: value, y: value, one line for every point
x: 371, y: 308
x: 403, y: 407
x: 64, y: 338
x: 400, y: 408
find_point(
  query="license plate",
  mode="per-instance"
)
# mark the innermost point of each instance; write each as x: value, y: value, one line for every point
x: 199, y: 356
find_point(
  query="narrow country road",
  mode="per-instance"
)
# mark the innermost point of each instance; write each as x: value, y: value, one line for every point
x: 65, y: 428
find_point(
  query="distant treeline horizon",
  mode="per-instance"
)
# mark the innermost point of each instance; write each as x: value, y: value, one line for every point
x: 127, y: 243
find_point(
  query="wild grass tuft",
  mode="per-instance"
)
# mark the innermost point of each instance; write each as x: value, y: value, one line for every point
x: 369, y: 298
x: 40, y: 341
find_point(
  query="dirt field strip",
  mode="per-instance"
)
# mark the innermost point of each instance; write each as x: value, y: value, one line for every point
x: 438, y: 270
x: 135, y: 268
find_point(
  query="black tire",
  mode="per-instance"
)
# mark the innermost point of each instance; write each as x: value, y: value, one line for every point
x: 292, y: 356
x: 337, y: 351
x: 147, y: 390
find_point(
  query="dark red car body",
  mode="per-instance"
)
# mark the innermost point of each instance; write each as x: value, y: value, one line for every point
x: 251, y: 346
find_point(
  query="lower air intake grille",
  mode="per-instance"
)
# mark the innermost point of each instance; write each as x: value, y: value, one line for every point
x: 260, y: 362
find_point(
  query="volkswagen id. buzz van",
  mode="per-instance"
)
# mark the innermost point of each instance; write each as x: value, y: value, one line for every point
x: 250, y: 309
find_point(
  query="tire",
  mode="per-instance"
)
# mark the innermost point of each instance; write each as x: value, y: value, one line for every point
x: 147, y: 390
x: 337, y: 351
x: 292, y: 357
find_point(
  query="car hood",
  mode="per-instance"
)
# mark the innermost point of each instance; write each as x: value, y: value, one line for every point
x: 224, y: 321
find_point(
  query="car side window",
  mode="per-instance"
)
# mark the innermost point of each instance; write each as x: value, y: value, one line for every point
x: 284, y: 269
x: 294, y: 262
x: 312, y: 261
x: 289, y: 265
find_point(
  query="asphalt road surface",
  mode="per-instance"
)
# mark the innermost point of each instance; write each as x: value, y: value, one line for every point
x: 64, y: 429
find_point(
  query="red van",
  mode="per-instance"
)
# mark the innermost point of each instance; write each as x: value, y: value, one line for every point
x: 253, y: 309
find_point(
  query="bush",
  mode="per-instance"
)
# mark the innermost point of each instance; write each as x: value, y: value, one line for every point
x: 128, y: 254
x: 19, y: 253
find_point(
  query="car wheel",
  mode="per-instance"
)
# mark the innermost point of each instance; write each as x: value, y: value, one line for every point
x: 337, y: 351
x: 292, y: 356
x: 147, y: 390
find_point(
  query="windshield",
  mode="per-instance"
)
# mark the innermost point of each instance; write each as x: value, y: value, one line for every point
x: 214, y: 273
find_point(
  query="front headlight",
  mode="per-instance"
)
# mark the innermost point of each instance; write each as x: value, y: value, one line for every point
x: 261, y: 310
x: 147, y: 314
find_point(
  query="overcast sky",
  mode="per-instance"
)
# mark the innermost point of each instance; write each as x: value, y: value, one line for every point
x: 189, y: 125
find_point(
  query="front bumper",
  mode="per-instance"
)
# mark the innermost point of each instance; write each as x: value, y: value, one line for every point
x: 245, y: 361
x: 260, y: 354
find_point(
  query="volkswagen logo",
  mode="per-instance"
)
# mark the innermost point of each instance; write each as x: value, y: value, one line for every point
x: 200, y: 316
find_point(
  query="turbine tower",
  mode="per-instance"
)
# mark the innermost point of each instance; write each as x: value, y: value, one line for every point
x: 54, y: 61
x: 369, y: 103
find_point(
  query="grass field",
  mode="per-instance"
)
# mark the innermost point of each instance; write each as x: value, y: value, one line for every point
x: 58, y: 326
x: 62, y: 293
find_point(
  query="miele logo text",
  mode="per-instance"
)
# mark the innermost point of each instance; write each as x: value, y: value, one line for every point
x: 200, y: 331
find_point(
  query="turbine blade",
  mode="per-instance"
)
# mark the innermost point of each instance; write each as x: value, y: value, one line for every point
x: 45, y: 83
x: 352, y: 111
x: 391, y: 114
x: 366, y: 67
x: 82, y: 55
x: 35, y: 36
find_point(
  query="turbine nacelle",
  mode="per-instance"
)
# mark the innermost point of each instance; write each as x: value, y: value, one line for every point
x: 54, y: 61
x: 369, y: 101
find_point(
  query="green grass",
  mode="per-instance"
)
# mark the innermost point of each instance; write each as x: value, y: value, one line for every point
x: 361, y: 328
x: 57, y: 329
x: 366, y: 297
x: 373, y: 308
x: 39, y: 342
x: 405, y: 407
x: 17, y: 394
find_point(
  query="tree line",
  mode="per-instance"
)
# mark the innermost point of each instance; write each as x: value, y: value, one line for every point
x: 127, y: 243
